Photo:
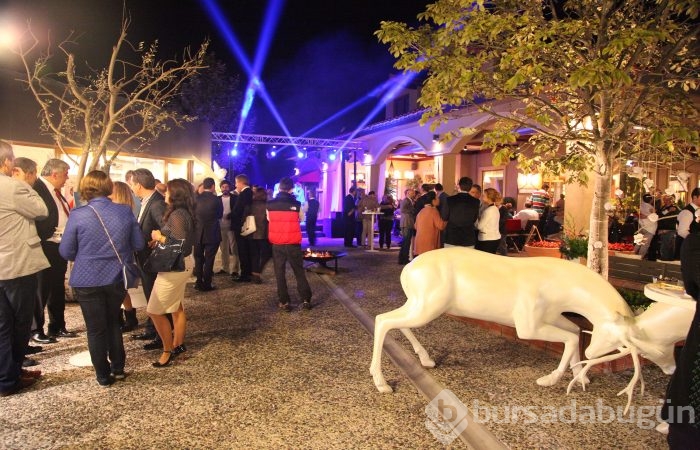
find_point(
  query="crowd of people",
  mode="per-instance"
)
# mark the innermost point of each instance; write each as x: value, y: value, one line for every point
x: 663, y: 225
x: 430, y: 219
x: 113, y: 231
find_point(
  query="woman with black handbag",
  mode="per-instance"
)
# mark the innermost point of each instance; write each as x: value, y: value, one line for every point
x: 177, y: 235
x: 101, y: 237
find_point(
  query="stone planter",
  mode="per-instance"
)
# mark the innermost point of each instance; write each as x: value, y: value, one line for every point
x: 542, y: 251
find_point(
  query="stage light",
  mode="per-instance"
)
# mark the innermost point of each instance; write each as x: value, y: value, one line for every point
x: 300, y: 154
x: 234, y: 152
x: 331, y: 156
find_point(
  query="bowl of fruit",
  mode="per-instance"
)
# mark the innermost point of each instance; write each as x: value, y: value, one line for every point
x: 543, y: 248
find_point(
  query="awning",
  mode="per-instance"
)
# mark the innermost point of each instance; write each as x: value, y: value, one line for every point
x: 310, y: 177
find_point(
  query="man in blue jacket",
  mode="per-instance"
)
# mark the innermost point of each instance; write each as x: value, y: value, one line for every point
x: 284, y: 233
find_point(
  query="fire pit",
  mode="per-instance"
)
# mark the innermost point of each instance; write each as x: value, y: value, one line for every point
x: 321, y: 257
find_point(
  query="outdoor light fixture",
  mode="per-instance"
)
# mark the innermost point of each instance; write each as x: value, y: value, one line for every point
x: 368, y: 159
x: 529, y: 181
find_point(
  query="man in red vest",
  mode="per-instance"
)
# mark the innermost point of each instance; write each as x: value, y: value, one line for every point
x: 284, y: 233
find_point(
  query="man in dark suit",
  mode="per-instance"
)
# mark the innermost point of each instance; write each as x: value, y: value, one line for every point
x: 461, y: 214
x: 208, y: 211
x: 150, y: 218
x: 51, y: 281
x: 239, y: 212
x: 349, y: 217
x: 311, y: 218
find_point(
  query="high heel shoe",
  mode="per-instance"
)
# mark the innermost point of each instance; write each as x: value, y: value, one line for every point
x: 166, y: 363
x: 179, y: 350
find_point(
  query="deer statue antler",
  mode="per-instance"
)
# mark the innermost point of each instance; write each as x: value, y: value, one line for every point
x: 589, y: 363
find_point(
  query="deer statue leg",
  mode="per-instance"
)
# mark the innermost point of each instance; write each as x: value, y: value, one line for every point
x: 565, y: 324
x: 422, y: 353
x: 411, y: 315
x: 530, y: 323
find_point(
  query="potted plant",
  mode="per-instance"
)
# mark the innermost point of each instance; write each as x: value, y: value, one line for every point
x: 543, y: 248
x: 574, y: 246
x: 574, y: 242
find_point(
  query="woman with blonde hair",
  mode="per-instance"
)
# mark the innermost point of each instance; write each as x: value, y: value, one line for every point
x: 121, y: 194
x: 169, y: 287
x: 488, y: 223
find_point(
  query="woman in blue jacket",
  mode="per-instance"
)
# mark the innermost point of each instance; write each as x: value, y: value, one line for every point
x: 97, y: 279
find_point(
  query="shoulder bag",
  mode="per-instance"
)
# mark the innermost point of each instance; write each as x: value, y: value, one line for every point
x: 248, y: 226
x: 130, y: 271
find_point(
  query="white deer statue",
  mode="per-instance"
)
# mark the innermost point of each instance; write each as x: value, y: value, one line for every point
x: 529, y: 294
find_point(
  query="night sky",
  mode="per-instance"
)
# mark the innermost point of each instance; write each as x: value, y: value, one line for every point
x: 323, y: 55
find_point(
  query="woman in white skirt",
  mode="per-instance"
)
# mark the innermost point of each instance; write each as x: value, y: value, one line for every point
x: 169, y: 288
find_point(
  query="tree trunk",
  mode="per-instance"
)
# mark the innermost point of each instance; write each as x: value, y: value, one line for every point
x: 81, y: 168
x: 598, y: 239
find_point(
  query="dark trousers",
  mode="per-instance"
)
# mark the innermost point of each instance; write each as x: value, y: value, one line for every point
x: 261, y: 252
x: 406, y: 235
x: 488, y: 246
x: 385, y: 227
x: 148, y: 279
x: 101, y: 308
x: 16, y: 306
x: 683, y: 437
x: 244, y: 258
x: 349, y: 235
x: 51, y: 292
x: 358, y: 232
x: 311, y: 229
x: 281, y: 255
x: 204, y: 262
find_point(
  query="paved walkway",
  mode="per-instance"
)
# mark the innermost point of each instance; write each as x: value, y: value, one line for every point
x: 257, y: 378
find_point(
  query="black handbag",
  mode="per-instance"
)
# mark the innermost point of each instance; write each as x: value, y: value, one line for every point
x: 166, y: 257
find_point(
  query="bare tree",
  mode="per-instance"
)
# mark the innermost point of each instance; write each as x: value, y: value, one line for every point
x: 122, y: 107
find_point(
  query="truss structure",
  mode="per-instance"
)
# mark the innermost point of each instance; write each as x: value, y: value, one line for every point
x: 284, y: 140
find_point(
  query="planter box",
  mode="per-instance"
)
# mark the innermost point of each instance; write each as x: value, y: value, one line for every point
x: 542, y: 251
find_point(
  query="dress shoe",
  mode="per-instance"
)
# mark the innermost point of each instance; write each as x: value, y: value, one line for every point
x: 62, y: 333
x: 207, y: 288
x: 145, y: 336
x: 198, y: 287
x: 36, y: 374
x: 119, y: 376
x: 221, y: 272
x: 33, y: 349
x: 155, y: 344
x: 105, y: 382
x: 166, y: 363
x: 22, y: 383
x: 306, y: 305
x: 29, y: 362
x: 41, y: 338
x: 179, y: 349
x: 242, y: 280
x: 286, y: 307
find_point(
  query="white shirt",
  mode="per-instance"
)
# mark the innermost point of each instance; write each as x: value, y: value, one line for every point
x: 62, y: 208
x: 488, y: 224
x: 527, y: 214
x: 644, y: 211
x: 226, y: 201
x: 685, y: 218
x: 144, y: 203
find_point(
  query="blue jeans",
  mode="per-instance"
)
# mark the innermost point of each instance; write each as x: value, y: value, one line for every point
x: 101, y: 307
x: 17, y: 297
x: 281, y: 254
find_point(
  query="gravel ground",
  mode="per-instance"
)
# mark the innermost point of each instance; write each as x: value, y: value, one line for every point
x: 257, y: 378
